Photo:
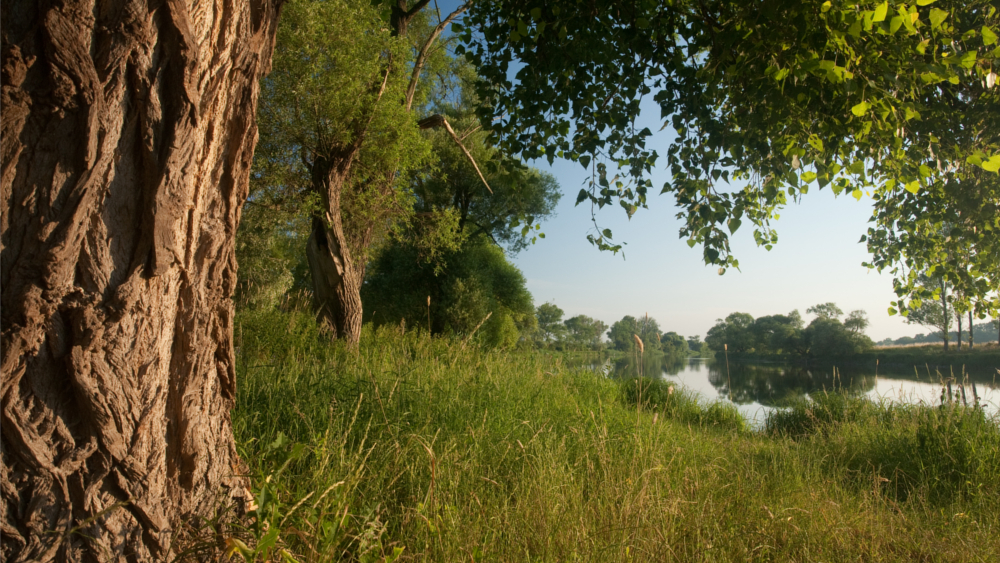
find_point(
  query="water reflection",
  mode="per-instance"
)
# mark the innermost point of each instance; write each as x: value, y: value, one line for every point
x: 758, y: 388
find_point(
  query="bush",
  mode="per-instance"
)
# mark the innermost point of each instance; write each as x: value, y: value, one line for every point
x: 464, y: 288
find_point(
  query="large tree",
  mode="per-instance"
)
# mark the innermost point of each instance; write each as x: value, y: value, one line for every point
x: 767, y: 100
x: 127, y: 136
x: 341, y: 115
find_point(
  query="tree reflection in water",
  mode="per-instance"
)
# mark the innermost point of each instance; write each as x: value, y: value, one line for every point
x: 779, y: 385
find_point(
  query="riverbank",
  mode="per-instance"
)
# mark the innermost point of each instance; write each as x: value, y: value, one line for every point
x: 930, y: 356
x: 411, y: 448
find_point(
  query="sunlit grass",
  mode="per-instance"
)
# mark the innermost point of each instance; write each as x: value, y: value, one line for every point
x: 420, y: 449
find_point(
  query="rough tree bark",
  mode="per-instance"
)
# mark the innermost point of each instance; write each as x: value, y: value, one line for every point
x: 127, y: 136
x: 336, y: 275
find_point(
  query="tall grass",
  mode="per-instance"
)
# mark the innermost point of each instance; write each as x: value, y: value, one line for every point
x: 414, y: 449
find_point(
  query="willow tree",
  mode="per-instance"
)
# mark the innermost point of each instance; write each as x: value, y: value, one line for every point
x: 339, y: 122
x: 127, y: 136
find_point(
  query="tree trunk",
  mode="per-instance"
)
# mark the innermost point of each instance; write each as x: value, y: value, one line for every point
x: 945, y: 319
x: 336, y: 276
x: 972, y: 335
x: 958, y: 341
x: 127, y: 137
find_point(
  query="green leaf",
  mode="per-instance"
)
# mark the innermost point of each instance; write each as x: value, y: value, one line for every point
x: 968, y: 60
x: 913, y: 187
x: 691, y: 242
x: 937, y: 17
x: 585, y: 161
x: 880, y: 12
x: 857, y: 194
x: 860, y: 109
x: 826, y: 6
x: 580, y: 197
x: 734, y: 224
x: 894, y: 24
x: 268, y: 541
x: 993, y: 164
x: 536, y: 14
x: 989, y: 37
x: 925, y: 2
x: 892, y: 310
x: 808, y: 176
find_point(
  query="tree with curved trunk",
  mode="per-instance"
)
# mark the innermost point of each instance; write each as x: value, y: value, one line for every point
x: 338, y: 115
x: 127, y: 136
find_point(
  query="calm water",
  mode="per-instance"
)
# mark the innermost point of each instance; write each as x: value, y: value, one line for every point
x: 756, y: 389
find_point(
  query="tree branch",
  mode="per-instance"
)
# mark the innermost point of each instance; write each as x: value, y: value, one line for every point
x: 418, y: 65
x: 438, y: 120
x: 417, y: 7
x: 360, y: 136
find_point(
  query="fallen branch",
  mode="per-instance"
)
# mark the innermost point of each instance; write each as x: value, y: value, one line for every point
x: 438, y: 120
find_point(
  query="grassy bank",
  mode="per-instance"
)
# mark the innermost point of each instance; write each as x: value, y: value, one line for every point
x: 929, y: 355
x: 414, y: 449
x: 984, y: 354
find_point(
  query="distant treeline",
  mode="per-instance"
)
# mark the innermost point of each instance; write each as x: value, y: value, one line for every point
x: 981, y: 332
x: 584, y: 333
x: 741, y: 335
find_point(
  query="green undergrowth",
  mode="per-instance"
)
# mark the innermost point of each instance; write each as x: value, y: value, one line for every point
x: 416, y: 449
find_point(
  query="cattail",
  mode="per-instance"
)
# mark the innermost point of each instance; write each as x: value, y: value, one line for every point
x: 638, y: 342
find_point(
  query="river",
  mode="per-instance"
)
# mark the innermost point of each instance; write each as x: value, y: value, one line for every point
x: 757, y: 388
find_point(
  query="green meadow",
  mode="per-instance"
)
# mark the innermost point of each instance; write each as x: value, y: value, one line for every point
x: 409, y: 448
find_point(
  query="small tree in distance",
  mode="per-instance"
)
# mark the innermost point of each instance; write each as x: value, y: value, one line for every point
x: 585, y: 331
x: 825, y: 311
x: 550, y: 325
x: 934, y: 313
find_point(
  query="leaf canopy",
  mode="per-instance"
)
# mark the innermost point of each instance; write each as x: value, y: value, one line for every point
x: 766, y: 100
